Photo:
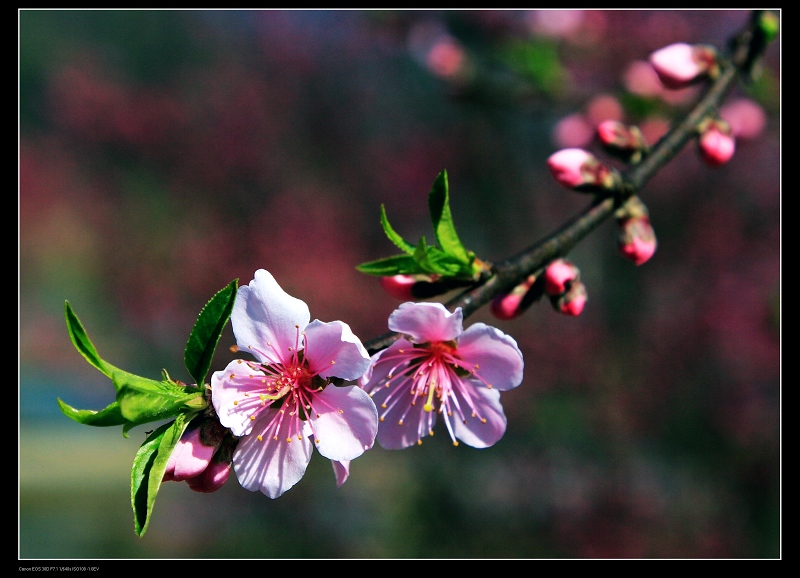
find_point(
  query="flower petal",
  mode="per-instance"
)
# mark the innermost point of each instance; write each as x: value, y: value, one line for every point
x: 344, y: 421
x: 486, y: 403
x: 271, y: 466
x: 229, y: 395
x: 381, y: 365
x: 266, y: 319
x: 496, y: 354
x: 333, y: 350
x: 426, y: 322
x: 342, y: 471
x: 416, y: 422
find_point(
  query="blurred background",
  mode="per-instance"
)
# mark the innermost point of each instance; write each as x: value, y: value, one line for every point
x: 163, y: 154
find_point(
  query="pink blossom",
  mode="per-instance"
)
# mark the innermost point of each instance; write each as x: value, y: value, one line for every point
x: 282, y: 401
x: 439, y: 368
x: 717, y: 145
x: 636, y: 239
x: 558, y: 275
x: 679, y: 65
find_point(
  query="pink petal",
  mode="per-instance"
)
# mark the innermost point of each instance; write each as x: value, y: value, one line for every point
x: 426, y: 322
x: 212, y: 478
x: 475, y: 432
x: 378, y: 369
x: 416, y: 423
x: 333, y: 350
x: 342, y: 471
x: 190, y: 457
x: 344, y: 421
x: 265, y: 314
x: 228, y: 397
x: 271, y: 466
x: 496, y: 354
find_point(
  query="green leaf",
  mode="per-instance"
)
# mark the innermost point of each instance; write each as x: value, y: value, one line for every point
x: 394, y: 237
x: 396, y: 265
x: 110, y: 416
x: 82, y: 342
x: 207, y: 331
x: 143, y: 400
x: 148, y: 469
x: 439, y: 206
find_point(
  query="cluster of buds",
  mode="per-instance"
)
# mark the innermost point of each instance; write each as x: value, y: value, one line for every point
x: 563, y: 285
x: 623, y: 141
x: 680, y: 65
x: 636, y: 239
x: 202, y: 457
x: 716, y: 143
x: 581, y: 171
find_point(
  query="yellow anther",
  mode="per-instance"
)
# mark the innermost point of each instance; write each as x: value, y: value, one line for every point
x: 455, y: 442
x: 232, y: 376
x: 341, y: 410
x: 430, y: 432
x: 383, y: 406
x: 235, y: 402
x: 288, y: 440
x: 252, y: 418
x: 234, y: 348
x: 400, y: 422
x: 419, y: 442
x: 400, y: 351
x: 275, y: 437
x: 259, y: 438
x: 239, y: 361
x: 333, y: 362
x: 316, y: 441
x: 489, y: 385
x: 380, y: 418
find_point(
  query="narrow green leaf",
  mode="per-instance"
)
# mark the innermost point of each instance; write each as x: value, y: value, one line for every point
x: 148, y: 469
x: 207, y: 331
x: 442, y: 219
x: 394, y: 237
x: 143, y: 400
x: 396, y: 265
x: 82, y: 342
x: 110, y: 416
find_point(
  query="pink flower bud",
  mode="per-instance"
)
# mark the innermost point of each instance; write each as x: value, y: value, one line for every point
x: 636, y: 239
x: 189, y: 458
x: 717, y: 144
x: 212, y: 478
x: 511, y: 305
x: 573, y: 301
x: 399, y: 286
x: 558, y: 275
x: 679, y: 65
x: 575, y: 168
x: 626, y: 142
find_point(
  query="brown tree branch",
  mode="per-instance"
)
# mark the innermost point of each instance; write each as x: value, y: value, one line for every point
x: 746, y: 48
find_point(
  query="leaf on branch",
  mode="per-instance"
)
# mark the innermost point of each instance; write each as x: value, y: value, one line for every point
x: 207, y: 331
x: 148, y: 469
x: 143, y: 400
x: 449, y: 260
x: 110, y: 416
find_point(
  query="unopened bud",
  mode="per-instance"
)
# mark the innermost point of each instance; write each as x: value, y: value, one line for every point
x: 412, y: 287
x: 716, y: 143
x: 636, y: 239
x: 679, y: 65
x: 558, y: 276
x: 212, y: 478
x: 511, y: 305
x: 625, y: 142
x: 577, y: 169
x: 571, y: 302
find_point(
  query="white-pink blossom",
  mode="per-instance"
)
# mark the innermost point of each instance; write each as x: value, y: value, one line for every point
x: 283, y: 404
